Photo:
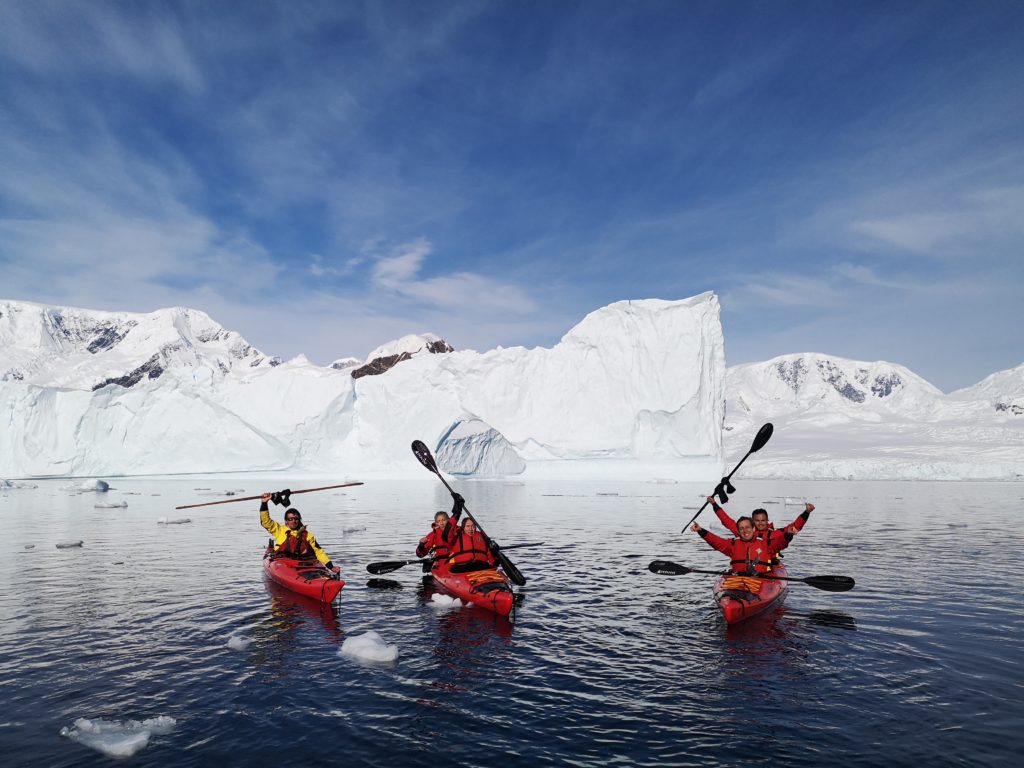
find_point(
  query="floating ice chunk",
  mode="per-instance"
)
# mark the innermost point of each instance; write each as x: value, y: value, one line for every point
x: 69, y: 544
x: 111, y: 505
x: 11, y: 485
x: 369, y: 647
x: 115, y: 738
x: 175, y: 521
x: 95, y: 485
x: 239, y: 642
x: 30, y: 546
x: 438, y: 600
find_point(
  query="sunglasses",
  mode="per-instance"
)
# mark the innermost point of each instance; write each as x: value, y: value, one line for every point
x: 291, y: 518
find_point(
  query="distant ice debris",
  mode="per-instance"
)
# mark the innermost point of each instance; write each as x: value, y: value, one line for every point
x: 111, y: 505
x: 11, y: 485
x: 101, y: 486
x: 175, y: 521
x: 30, y: 546
x: 69, y: 544
x: 369, y: 647
x: 115, y: 738
x: 445, y: 601
x: 239, y: 642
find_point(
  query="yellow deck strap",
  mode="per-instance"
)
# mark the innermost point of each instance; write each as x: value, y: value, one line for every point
x: 744, y: 583
x: 483, y: 577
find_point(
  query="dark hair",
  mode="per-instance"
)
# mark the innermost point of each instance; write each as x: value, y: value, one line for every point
x: 291, y: 510
x: 744, y: 518
x: 759, y: 512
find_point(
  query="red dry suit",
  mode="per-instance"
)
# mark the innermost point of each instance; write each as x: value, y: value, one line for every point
x: 436, y: 540
x: 745, y: 557
x: 774, y: 537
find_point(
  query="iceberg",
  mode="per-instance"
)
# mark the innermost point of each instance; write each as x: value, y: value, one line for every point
x: 633, y: 382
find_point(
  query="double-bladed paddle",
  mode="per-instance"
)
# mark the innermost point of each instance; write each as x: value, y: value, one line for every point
x: 252, y: 498
x: 427, y: 460
x: 826, y: 583
x: 763, y: 436
x: 387, y: 566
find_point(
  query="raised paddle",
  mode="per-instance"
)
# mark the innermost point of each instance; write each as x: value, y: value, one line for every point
x: 827, y: 583
x: 427, y: 460
x: 252, y: 498
x: 387, y: 566
x: 763, y: 436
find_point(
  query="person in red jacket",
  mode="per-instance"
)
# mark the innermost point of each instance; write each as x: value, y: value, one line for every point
x: 469, y: 549
x: 748, y: 555
x: 762, y: 528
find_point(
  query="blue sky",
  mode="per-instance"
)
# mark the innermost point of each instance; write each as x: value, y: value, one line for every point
x: 325, y: 176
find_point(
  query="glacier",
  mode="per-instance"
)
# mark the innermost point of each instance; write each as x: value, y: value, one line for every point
x: 845, y: 419
x: 635, y: 385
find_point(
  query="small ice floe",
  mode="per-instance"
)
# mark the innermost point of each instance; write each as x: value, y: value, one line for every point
x: 69, y: 544
x: 101, y: 486
x: 11, y: 485
x: 664, y: 481
x: 239, y: 642
x: 111, y: 505
x: 115, y: 738
x: 369, y: 647
x: 354, y: 530
x: 175, y: 521
x: 30, y: 546
x: 437, y: 600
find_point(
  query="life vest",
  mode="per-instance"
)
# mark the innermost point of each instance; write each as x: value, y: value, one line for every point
x: 434, y: 541
x: 467, y: 548
x: 296, y: 546
x: 755, y: 555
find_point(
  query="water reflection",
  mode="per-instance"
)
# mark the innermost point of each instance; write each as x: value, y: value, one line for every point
x: 289, y: 611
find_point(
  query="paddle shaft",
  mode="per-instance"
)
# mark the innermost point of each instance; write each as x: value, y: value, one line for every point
x: 253, y: 498
x: 387, y: 566
x: 826, y: 583
x: 706, y: 502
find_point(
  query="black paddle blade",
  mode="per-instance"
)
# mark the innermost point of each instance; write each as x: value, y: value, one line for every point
x: 513, y: 573
x: 764, y: 434
x: 830, y: 583
x: 424, y: 455
x: 667, y: 568
x: 386, y: 567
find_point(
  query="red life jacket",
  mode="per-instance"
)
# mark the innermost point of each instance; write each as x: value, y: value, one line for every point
x: 434, y: 541
x: 296, y: 546
x: 755, y: 555
x: 466, y: 548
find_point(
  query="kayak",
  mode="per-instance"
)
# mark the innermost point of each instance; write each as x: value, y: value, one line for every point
x: 738, y: 604
x: 308, y: 578
x: 487, y: 588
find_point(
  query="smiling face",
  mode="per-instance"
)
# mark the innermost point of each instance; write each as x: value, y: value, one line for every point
x: 440, y: 519
x: 469, y: 527
x: 760, y: 518
x: 745, y: 528
x: 293, y: 519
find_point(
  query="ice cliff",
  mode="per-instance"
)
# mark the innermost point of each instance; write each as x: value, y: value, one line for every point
x: 100, y: 393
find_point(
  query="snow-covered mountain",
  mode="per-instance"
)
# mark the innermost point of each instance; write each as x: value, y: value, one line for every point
x: 99, y: 393
x: 842, y: 418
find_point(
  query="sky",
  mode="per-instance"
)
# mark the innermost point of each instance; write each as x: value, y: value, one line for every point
x: 323, y: 177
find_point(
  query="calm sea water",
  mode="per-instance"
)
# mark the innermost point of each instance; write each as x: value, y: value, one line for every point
x: 606, y: 663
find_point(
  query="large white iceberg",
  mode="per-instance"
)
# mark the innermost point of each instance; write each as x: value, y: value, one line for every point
x: 93, y: 393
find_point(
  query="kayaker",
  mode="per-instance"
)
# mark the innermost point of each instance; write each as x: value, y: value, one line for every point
x: 441, y: 530
x: 292, y: 538
x: 469, y: 550
x: 763, y: 529
x: 748, y: 555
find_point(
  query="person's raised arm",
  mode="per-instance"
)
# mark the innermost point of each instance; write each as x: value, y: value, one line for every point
x: 723, y: 517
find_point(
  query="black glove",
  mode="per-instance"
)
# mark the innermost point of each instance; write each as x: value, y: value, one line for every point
x: 723, y: 489
x: 458, y: 504
x: 282, y: 498
x: 495, y: 549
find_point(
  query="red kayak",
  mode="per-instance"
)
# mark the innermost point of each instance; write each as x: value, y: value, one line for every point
x: 738, y: 600
x: 485, y: 588
x: 306, y: 577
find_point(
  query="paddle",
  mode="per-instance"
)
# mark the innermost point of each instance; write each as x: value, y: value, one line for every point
x: 763, y: 436
x: 826, y: 583
x: 387, y: 566
x: 427, y: 460
x: 254, y: 498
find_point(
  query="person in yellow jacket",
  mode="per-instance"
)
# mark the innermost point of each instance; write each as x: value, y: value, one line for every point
x: 292, y: 538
